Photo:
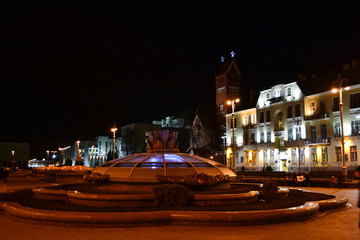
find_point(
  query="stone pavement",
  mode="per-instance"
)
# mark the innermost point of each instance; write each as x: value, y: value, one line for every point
x: 338, y: 224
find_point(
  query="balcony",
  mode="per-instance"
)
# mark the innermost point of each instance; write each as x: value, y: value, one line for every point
x: 263, y: 146
x: 276, y: 100
x: 249, y: 126
x: 249, y: 147
x: 279, y: 133
x: 293, y: 143
x: 316, y: 116
x: 318, y: 141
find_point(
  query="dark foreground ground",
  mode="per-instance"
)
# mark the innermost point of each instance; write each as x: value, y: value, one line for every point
x: 338, y: 224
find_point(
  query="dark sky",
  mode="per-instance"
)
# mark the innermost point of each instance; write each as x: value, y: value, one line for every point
x: 71, y: 69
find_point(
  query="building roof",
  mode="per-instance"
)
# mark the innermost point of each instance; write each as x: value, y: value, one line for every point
x: 224, y: 67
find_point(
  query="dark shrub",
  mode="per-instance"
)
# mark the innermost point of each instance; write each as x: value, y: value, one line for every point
x: 171, y: 195
x: 95, y: 177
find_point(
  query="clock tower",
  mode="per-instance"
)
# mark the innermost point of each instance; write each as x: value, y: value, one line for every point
x: 228, y: 83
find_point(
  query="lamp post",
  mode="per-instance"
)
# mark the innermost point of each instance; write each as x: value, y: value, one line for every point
x: 224, y: 141
x: 78, y: 157
x: 298, y: 124
x: 12, y: 159
x: 114, y: 130
x: 47, y: 154
x: 339, y: 88
x: 232, y: 103
x: 92, y: 156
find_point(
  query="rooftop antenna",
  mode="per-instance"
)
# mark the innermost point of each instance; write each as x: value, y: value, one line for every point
x: 232, y: 54
x: 222, y: 59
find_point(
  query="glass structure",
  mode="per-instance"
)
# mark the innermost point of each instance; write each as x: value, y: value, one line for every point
x: 144, y: 167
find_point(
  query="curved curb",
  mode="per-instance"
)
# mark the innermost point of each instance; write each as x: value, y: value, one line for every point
x: 245, y: 217
x: 127, y: 218
x: 165, y: 217
x: 333, y: 203
x: 50, y: 194
x: 110, y: 197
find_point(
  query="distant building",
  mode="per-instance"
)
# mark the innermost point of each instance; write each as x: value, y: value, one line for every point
x: 227, y: 85
x: 14, y: 154
x: 171, y: 122
x: 95, y: 152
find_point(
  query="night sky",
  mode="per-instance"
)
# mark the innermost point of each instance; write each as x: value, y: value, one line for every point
x: 71, y: 69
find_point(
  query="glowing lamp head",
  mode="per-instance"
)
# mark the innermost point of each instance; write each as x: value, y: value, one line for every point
x: 334, y: 90
x: 237, y: 100
x: 347, y: 88
x: 114, y: 129
x: 228, y: 102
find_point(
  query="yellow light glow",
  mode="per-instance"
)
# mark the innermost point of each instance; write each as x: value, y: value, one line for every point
x: 347, y: 88
x: 318, y: 153
x: 228, y: 151
x: 228, y: 102
x: 237, y: 100
x: 114, y: 129
x: 334, y: 90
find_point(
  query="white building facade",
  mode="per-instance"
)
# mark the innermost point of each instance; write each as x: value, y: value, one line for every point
x: 95, y: 152
x: 288, y: 130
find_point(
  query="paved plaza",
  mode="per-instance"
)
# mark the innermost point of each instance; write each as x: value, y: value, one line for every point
x: 337, y: 224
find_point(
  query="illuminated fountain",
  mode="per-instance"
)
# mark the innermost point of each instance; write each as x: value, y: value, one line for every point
x: 128, y: 183
x: 162, y: 159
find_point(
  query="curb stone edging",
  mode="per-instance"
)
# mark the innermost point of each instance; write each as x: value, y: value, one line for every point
x: 101, y: 219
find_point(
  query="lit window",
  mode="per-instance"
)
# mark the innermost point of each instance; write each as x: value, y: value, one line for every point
x: 338, y: 154
x: 313, y: 154
x: 221, y: 107
x: 353, y: 154
x: 312, y: 108
x: 290, y: 134
x: 337, y: 130
x: 324, y: 155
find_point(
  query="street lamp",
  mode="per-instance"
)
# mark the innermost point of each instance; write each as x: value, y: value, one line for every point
x: 298, y: 124
x: 224, y: 141
x: 92, y: 156
x: 78, y: 157
x: 339, y: 88
x: 12, y: 159
x: 47, y: 154
x: 232, y: 103
x: 114, y: 130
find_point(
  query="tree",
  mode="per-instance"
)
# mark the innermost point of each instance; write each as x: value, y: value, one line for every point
x: 110, y: 155
x: 68, y: 162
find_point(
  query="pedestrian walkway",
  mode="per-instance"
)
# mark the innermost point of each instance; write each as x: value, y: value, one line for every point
x: 336, y: 225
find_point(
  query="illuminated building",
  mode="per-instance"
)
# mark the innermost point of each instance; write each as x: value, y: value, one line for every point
x: 95, y: 152
x: 288, y: 129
